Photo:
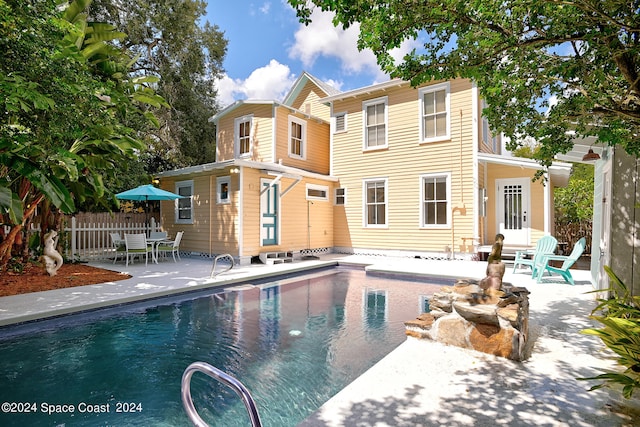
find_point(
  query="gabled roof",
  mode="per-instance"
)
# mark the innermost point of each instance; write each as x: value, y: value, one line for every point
x: 239, y: 103
x: 299, y: 85
x: 366, y: 90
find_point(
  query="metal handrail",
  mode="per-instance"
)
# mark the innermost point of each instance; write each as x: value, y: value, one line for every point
x: 215, y: 261
x: 224, y: 378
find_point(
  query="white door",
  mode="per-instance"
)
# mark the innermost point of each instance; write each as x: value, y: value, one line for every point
x: 513, y: 210
x: 605, y: 227
x: 269, y: 208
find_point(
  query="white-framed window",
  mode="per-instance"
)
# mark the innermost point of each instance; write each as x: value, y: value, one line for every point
x: 317, y: 192
x: 223, y: 189
x: 297, y: 137
x: 487, y: 137
x: 243, y: 138
x: 375, y: 123
x: 375, y: 202
x: 435, y: 200
x: 340, y: 196
x: 184, y: 206
x: 435, y: 117
x: 339, y: 122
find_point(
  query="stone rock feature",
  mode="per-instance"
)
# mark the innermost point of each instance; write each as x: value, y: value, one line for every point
x: 465, y: 315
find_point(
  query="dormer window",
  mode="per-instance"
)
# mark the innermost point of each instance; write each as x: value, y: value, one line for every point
x: 243, y: 138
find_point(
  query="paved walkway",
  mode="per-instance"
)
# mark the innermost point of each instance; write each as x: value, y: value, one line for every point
x: 421, y: 383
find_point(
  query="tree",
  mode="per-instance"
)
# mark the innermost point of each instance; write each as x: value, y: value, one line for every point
x: 66, y: 100
x: 524, y: 56
x: 187, y: 57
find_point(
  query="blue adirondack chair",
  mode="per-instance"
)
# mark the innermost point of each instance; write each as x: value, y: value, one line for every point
x: 568, y: 261
x: 546, y: 246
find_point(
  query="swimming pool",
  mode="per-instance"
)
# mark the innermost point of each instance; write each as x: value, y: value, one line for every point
x: 294, y: 343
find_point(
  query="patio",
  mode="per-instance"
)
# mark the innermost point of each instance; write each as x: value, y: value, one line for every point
x: 421, y: 383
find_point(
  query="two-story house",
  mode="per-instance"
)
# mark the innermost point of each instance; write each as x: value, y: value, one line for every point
x: 386, y: 169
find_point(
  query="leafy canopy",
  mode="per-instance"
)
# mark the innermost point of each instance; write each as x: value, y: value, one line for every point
x: 525, y: 56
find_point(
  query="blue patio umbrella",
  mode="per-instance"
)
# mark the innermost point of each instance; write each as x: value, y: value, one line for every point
x: 144, y: 193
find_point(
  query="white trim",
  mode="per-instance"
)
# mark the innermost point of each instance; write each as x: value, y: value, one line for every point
x: 303, y: 138
x: 476, y: 173
x: 318, y: 188
x: 236, y: 135
x: 365, y: 223
x: 428, y: 89
x: 334, y: 121
x: 365, y: 142
x: 219, y: 181
x: 178, y: 185
x: 240, y: 207
x: 344, y: 196
x: 447, y: 176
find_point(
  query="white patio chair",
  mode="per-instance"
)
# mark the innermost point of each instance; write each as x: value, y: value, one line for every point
x: 118, y: 245
x: 171, y: 246
x: 136, y: 244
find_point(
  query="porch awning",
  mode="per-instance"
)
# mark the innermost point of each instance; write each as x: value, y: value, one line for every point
x: 559, y: 172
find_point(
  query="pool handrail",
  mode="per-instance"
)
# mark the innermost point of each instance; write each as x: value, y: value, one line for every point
x: 215, y: 261
x: 224, y: 378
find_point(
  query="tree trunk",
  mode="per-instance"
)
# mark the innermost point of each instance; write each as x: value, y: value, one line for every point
x: 7, y: 244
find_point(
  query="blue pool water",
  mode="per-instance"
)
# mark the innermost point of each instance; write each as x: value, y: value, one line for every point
x: 294, y: 343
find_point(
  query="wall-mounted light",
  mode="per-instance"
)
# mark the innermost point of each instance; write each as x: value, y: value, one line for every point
x: 156, y: 181
x: 590, y: 156
x: 235, y: 170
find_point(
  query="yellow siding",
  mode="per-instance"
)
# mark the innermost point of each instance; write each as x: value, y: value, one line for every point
x: 402, y: 163
x: 317, y: 143
x: 262, y: 132
x: 308, y: 102
x: 215, y: 226
x: 294, y: 234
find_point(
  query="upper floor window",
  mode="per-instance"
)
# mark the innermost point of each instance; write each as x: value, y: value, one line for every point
x: 436, y: 196
x: 434, y: 112
x: 487, y: 137
x: 223, y: 184
x: 375, y: 208
x: 341, y: 196
x: 317, y: 192
x: 375, y: 123
x: 297, y: 137
x: 184, y: 206
x: 340, y: 122
x: 243, y: 136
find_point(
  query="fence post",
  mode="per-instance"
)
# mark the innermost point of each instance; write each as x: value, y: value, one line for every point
x: 74, y: 232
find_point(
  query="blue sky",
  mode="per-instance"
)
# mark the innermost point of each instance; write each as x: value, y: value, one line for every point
x: 268, y: 49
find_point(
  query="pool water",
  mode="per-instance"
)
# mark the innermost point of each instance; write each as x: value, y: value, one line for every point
x: 294, y: 343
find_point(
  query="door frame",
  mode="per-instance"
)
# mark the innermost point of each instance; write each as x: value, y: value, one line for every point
x: 604, y: 249
x: 514, y: 238
x: 269, y: 205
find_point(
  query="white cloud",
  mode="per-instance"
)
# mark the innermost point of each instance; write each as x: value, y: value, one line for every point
x: 322, y: 39
x: 271, y: 82
x: 265, y: 8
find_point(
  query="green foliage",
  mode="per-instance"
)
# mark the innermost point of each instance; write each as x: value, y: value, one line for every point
x: 522, y: 54
x: 170, y: 42
x: 620, y: 332
x: 574, y: 203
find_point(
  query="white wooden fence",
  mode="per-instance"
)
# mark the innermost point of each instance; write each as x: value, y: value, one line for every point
x: 84, y: 238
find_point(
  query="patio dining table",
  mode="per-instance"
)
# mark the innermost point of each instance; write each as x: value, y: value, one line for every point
x: 155, y: 242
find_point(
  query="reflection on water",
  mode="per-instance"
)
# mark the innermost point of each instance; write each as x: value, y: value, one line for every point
x: 293, y: 343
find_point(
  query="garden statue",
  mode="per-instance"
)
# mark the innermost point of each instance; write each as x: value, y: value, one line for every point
x: 495, y: 266
x: 52, y: 259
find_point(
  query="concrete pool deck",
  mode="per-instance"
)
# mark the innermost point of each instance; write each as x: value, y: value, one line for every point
x: 420, y: 383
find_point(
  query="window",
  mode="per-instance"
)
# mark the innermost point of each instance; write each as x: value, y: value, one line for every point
x: 435, y: 193
x: 317, y: 192
x: 184, y: 206
x: 340, y: 122
x: 375, y: 309
x: 243, y: 136
x: 488, y: 139
x: 434, y: 112
x: 375, y: 214
x: 341, y: 196
x: 223, y: 184
x: 375, y: 123
x: 297, y: 137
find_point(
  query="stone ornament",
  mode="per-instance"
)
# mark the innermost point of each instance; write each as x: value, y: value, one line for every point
x: 52, y: 258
